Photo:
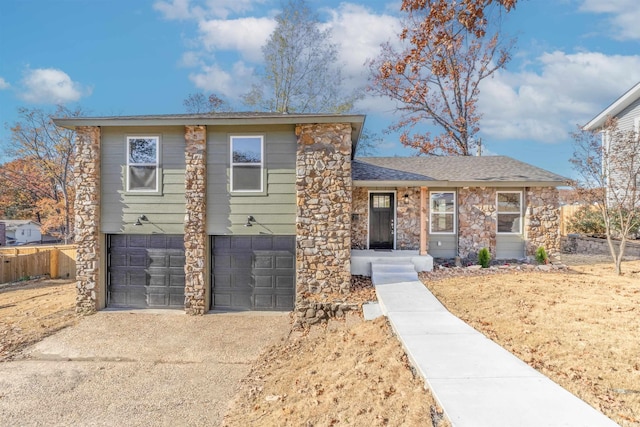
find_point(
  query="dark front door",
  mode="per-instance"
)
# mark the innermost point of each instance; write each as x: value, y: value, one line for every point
x: 381, y: 207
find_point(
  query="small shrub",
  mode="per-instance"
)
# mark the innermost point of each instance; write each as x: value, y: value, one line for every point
x: 484, y: 257
x: 541, y: 255
x: 587, y: 220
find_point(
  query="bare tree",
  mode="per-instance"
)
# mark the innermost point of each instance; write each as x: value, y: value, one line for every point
x: 198, y: 102
x: 448, y: 48
x: 52, y: 149
x: 301, y: 73
x: 608, y: 165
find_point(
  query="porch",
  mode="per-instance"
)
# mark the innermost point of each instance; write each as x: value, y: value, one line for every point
x: 361, y: 259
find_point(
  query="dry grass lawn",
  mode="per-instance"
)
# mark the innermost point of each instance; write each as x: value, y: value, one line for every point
x: 33, y: 310
x: 581, y: 328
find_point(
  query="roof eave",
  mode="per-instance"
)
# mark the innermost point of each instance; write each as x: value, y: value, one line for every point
x: 614, y: 109
x: 458, y: 184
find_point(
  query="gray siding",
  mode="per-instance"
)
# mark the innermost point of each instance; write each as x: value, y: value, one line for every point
x: 447, y: 247
x: 275, y: 209
x: 119, y: 210
x: 509, y: 246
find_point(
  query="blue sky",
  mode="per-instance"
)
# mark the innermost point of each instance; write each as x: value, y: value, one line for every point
x: 123, y: 57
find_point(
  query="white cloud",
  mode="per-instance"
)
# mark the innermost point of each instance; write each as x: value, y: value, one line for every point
x: 4, y: 84
x: 624, y: 16
x: 360, y: 34
x: 244, y: 35
x: 231, y: 84
x: 181, y: 10
x: 50, y: 86
x: 570, y: 89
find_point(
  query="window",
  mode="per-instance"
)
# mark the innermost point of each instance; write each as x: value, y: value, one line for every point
x: 142, y: 163
x: 381, y: 201
x: 247, y: 161
x: 442, y: 212
x: 509, y: 212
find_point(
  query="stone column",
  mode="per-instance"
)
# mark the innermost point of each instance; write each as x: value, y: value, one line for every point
x: 542, y: 220
x: 195, y: 231
x: 360, y: 219
x: 477, y: 216
x: 87, y: 217
x: 408, y: 218
x: 323, y: 220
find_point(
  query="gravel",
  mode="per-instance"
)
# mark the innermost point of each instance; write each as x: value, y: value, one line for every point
x: 136, y: 369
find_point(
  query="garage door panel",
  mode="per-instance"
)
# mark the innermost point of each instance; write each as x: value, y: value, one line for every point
x: 248, y: 273
x: 145, y: 271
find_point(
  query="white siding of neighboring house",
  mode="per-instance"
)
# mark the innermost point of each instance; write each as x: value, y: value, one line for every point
x: 628, y: 120
x: 26, y: 233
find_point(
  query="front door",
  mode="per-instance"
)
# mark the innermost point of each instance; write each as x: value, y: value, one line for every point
x: 381, y: 207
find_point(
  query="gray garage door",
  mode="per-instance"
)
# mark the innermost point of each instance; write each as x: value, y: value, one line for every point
x: 145, y: 271
x: 253, y: 272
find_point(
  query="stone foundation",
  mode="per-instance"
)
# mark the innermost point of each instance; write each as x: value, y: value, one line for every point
x: 195, y: 233
x: 476, y: 221
x: 542, y: 220
x: 87, y: 218
x: 323, y: 220
x: 310, y: 313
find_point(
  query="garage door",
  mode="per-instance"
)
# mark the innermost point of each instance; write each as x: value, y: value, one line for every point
x: 145, y: 271
x: 253, y: 272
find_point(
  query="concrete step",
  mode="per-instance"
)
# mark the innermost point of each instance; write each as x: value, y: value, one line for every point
x: 392, y: 272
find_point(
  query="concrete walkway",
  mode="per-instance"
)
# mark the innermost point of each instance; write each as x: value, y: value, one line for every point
x: 476, y: 382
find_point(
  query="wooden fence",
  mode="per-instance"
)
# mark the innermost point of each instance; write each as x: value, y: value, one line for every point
x: 566, y: 215
x: 28, y: 261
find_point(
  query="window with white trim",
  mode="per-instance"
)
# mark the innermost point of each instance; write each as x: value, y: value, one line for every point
x: 442, y: 212
x: 509, y: 212
x: 247, y: 162
x: 143, y: 163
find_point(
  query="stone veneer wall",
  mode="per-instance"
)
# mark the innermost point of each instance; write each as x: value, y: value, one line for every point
x: 195, y: 234
x: 87, y: 217
x: 360, y: 218
x: 476, y: 221
x: 542, y: 220
x: 408, y: 219
x: 323, y: 220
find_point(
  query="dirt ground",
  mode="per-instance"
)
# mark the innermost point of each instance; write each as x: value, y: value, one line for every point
x: 350, y: 372
x: 581, y: 328
x: 32, y: 311
x: 578, y: 326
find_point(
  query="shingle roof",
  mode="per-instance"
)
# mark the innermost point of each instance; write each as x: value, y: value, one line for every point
x: 487, y: 169
x: 12, y: 224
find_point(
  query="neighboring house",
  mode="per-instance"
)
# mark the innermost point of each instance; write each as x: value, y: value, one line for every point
x: 626, y: 110
x: 21, y: 232
x: 257, y: 211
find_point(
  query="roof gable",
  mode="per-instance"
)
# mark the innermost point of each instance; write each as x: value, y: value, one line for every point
x: 614, y: 109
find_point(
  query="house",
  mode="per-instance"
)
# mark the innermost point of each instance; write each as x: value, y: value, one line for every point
x: 257, y: 211
x: 21, y: 232
x: 626, y: 110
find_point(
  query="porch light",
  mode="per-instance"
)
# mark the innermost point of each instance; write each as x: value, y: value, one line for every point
x: 406, y: 198
x: 250, y: 219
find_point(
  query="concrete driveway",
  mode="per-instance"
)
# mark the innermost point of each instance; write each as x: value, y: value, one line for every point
x: 136, y: 369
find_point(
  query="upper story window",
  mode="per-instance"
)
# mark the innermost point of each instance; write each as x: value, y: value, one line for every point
x: 442, y: 212
x: 247, y: 163
x: 509, y: 212
x: 142, y: 163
